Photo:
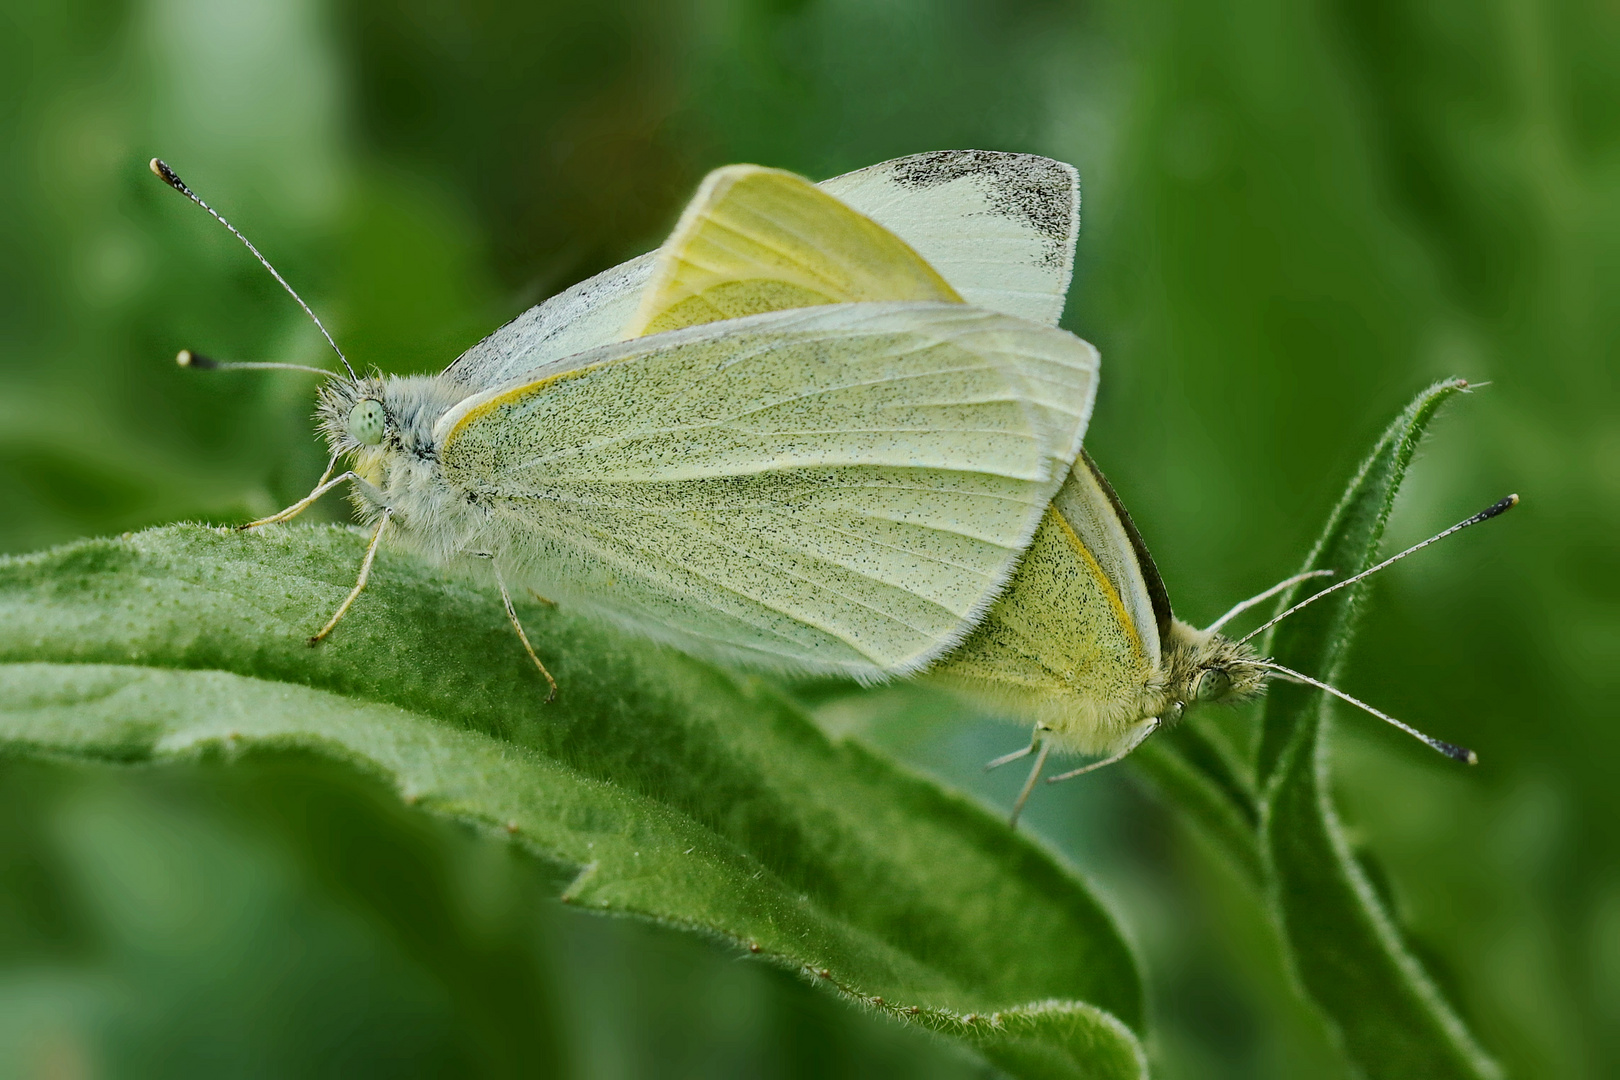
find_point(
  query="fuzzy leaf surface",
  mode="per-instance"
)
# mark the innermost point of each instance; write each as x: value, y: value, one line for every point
x: 1344, y: 945
x: 655, y: 786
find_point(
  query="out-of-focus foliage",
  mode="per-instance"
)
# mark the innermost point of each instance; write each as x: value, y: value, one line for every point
x: 275, y: 917
x: 1296, y: 216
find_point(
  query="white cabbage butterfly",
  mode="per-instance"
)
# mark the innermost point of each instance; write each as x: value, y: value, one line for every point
x: 1082, y: 643
x: 840, y: 489
x: 1084, y: 646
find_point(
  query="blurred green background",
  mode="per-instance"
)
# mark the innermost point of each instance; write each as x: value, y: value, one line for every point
x: 1294, y: 217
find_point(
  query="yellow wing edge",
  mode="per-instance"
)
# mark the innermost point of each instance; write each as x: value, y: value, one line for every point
x: 778, y: 200
x: 1110, y: 593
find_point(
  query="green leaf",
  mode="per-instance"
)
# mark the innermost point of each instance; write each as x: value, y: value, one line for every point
x: 655, y: 786
x: 1344, y: 945
x: 1313, y: 640
x: 1188, y: 768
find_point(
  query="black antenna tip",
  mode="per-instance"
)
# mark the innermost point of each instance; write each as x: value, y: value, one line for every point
x: 161, y: 169
x: 1500, y: 507
x: 188, y: 359
x: 1456, y: 753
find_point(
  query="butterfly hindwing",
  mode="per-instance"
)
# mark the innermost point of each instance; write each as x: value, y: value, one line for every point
x: 1074, y: 639
x: 841, y: 488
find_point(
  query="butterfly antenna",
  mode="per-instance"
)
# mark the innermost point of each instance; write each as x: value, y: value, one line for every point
x: 188, y: 359
x: 1484, y: 515
x: 1451, y: 750
x: 170, y: 177
x: 1281, y: 586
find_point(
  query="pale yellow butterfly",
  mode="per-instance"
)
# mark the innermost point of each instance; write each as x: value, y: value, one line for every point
x: 839, y: 489
x: 1083, y: 643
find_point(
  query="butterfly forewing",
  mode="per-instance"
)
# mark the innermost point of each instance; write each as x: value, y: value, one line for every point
x: 1000, y: 227
x: 1088, y: 507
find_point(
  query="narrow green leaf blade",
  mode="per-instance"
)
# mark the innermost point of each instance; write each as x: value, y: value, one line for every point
x: 660, y: 787
x: 1187, y: 769
x: 1312, y: 641
x: 1345, y: 948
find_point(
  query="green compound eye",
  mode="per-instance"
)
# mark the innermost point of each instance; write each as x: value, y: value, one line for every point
x: 1212, y: 685
x: 367, y: 422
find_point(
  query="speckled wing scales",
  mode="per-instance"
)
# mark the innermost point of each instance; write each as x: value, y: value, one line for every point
x: 838, y: 489
x: 1001, y: 228
x: 1089, y: 509
x: 1074, y: 639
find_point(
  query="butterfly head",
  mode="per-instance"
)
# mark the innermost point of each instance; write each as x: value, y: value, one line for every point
x: 367, y: 422
x: 1231, y: 675
x: 354, y: 414
x: 390, y: 414
x: 1205, y: 665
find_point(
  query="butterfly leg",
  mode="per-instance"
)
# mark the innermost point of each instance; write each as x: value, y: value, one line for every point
x: 511, y: 613
x: 322, y: 486
x: 360, y: 583
x: 1029, y: 784
x: 1146, y: 728
x: 546, y: 600
x: 1008, y: 759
